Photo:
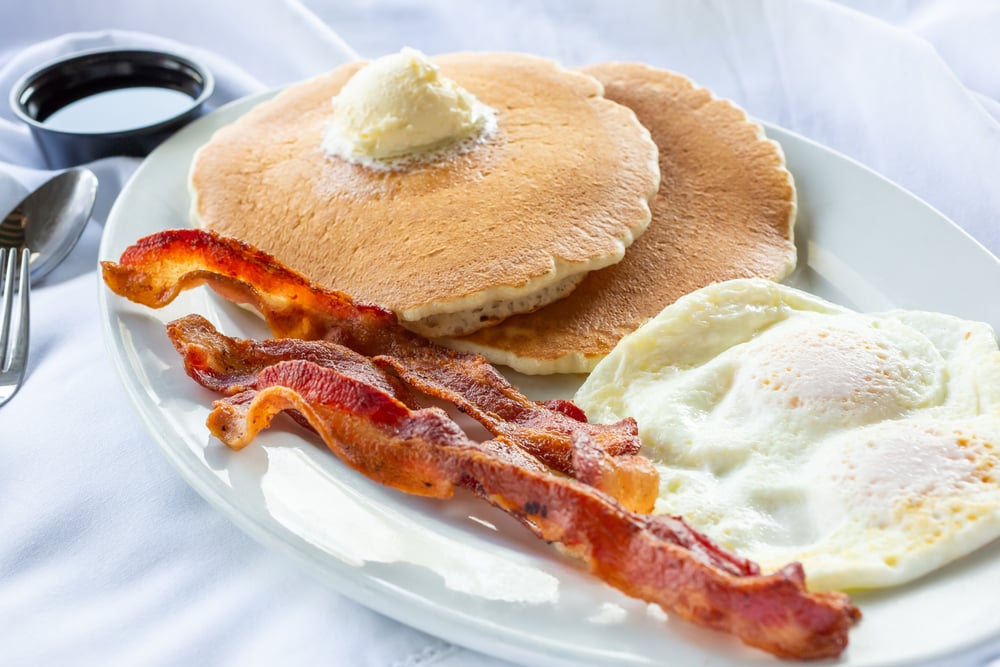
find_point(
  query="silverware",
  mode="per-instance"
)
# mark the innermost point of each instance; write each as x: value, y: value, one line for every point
x: 13, y: 357
x: 51, y: 219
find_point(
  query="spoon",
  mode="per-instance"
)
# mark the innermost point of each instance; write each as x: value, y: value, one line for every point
x: 51, y: 219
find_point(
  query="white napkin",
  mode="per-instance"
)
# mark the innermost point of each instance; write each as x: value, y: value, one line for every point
x: 107, y: 557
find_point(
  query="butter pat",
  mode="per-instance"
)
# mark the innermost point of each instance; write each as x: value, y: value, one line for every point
x: 398, y: 108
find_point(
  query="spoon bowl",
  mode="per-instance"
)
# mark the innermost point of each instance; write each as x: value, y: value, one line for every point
x: 50, y: 220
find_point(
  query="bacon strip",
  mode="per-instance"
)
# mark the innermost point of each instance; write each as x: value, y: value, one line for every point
x: 158, y: 267
x: 658, y: 559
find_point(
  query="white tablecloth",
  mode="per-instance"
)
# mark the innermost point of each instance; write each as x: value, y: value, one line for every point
x: 107, y: 557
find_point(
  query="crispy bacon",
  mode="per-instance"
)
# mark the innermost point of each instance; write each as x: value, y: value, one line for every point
x: 658, y: 559
x: 158, y: 267
x: 369, y: 420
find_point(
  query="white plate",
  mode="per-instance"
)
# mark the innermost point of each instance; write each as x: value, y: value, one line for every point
x: 465, y: 571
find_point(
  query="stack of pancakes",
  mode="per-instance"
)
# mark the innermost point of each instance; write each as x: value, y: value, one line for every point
x: 606, y: 194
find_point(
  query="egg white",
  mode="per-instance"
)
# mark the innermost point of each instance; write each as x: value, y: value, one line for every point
x: 866, y: 446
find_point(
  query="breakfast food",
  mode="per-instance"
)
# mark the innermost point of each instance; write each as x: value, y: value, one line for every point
x: 725, y: 209
x: 865, y: 446
x: 514, y: 220
x: 374, y: 427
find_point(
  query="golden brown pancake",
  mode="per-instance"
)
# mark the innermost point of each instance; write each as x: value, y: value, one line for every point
x: 725, y: 209
x: 512, y: 224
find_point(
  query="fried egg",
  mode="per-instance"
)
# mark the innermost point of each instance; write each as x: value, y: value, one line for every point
x: 787, y: 428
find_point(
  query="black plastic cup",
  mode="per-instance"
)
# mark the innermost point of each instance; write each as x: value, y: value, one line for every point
x: 57, y: 86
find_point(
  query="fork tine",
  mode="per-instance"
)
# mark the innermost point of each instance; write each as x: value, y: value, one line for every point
x: 7, y: 261
x: 18, y: 358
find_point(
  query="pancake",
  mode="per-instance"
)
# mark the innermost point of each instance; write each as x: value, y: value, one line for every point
x: 725, y: 209
x: 449, y: 245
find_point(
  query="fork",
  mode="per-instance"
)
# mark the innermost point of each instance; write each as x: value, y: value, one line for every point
x: 13, y: 359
